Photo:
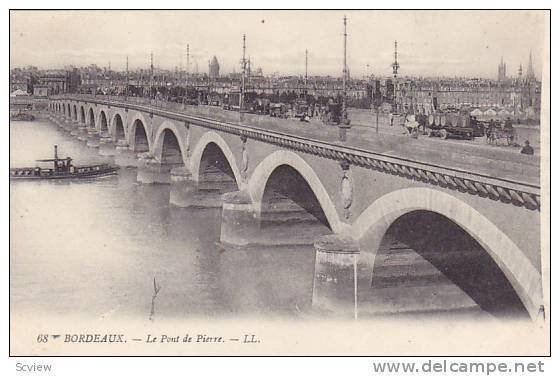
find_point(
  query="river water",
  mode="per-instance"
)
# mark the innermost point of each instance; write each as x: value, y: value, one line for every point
x: 93, y: 249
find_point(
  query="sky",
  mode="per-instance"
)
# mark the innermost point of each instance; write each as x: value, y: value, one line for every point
x: 430, y: 43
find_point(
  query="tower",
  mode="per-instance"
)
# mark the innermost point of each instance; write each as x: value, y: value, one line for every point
x: 396, y: 67
x: 249, y: 67
x: 530, y: 75
x: 243, y: 72
x: 214, y: 68
x: 502, y: 70
x: 127, y: 76
x: 305, y: 82
x: 151, y: 72
x: 344, y: 71
x: 152, y: 66
x: 188, y: 61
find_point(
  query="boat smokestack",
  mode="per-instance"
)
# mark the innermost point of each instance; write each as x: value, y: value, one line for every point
x: 55, y: 151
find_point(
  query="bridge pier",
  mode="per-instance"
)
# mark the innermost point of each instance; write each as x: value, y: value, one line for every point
x: 151, y: 171
x: 63, y: 123
x: 76, y: 130
x: 106, y: 145
x: 187, y: 192
x: 73, y: 125
x: 124, y: 157
x: 80, y: 132
x: 122, y: 146
x: 335, y: 285
x: 183, y: 188
x: 240, y: 225
x: 92, y: 138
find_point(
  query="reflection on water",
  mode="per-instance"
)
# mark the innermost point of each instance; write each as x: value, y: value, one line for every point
x: 93, y: 248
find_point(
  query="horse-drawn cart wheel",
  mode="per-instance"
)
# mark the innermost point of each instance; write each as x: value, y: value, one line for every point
x: 443, y: 134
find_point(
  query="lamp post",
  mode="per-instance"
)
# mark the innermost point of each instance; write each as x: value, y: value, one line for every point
x: 242, y: 89
x: 127, y: 81
x: 305, y: 82
x: 344, y: 121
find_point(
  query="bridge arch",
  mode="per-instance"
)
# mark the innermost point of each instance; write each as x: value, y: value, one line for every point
x: 82, y: 115
x: 139, y: 134
x: 102, y: 123
x: 91, y: 118
x: 117, y: 128
x: 69, y: 112
x: 169, y: 132
x: 208, y: 138
x: 371, y: 226
x: 262, y: 173
x: 75, y: 113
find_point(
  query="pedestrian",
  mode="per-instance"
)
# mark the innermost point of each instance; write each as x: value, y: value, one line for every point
x: 527, y: 149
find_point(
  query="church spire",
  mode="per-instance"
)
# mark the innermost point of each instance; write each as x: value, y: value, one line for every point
x: 530, y: 75
x: 502, y: 70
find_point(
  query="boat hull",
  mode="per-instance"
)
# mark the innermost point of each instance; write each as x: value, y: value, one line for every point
x: 61, y: 176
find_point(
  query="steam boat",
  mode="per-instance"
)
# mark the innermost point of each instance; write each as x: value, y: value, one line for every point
x: 62, y: 168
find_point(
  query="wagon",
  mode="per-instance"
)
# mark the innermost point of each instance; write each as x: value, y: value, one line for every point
x: 450, y: 126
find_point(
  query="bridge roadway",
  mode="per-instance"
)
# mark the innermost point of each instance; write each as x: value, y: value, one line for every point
x: 492, y: 193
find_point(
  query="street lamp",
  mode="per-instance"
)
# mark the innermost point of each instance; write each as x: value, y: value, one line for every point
x: 344, y: 123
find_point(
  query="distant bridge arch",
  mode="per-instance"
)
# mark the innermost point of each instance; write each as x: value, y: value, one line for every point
x: 117, y: 127
x: 160, y: 138
x: 90, y: 118
x: 139, y: 133
x: 102, y: 123
x: 82, y: 115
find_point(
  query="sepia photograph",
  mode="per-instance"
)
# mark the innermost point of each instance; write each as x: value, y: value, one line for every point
x: 279, y: 182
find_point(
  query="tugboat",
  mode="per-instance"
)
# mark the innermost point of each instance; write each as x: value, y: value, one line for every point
x: 62, y: 168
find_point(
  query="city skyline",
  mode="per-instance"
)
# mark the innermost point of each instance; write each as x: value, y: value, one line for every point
x: 442, y: 44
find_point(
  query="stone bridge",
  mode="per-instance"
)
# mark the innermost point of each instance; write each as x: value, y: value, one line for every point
x: 356, y: 193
